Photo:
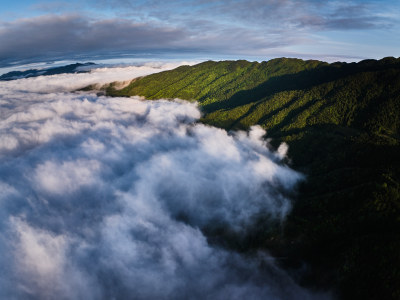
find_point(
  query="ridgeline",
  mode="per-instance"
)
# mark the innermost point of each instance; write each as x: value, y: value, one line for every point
x: 341, y: 122
x: 73, y: 68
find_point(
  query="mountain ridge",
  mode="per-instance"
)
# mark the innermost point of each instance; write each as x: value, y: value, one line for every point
x: 71, y: 68
x: 342, y: 123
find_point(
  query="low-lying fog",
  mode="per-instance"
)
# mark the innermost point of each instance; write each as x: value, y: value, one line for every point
x: 108, y: 198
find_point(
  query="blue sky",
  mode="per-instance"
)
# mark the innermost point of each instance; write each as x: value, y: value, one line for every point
x: 252, y: 29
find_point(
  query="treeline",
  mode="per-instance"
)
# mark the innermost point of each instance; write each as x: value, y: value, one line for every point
x: 341, y: 122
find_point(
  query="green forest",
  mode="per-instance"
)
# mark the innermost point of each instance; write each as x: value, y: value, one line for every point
x: 341, y: 122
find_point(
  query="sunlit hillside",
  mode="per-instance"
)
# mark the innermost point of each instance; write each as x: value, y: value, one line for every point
x: 341, y: 122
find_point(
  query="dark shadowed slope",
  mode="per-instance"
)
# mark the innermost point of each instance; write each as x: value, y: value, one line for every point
x: 341, y: 122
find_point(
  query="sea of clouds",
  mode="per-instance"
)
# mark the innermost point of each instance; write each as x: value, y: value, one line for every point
x: 109, y: 198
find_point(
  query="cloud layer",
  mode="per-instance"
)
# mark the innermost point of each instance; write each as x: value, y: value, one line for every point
x: 261, y: 28
x: 96, y: 76
x: 70, y: 34
x: 109, y: 197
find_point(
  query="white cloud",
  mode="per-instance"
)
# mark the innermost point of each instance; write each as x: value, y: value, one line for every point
x: 110, y: 198
x: 43, y: 267
x: 102, y: 75
x: 66, y: 177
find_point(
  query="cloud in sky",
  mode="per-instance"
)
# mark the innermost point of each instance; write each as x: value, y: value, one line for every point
x: 288, y: 15
x: 63, y: 35
x: 256, y: 27
x: 71, y: 34
x: 109, y: 198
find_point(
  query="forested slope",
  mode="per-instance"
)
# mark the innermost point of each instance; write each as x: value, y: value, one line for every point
x: 341, y: 122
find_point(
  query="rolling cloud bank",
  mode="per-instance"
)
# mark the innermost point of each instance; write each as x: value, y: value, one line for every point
x: 109, y: 198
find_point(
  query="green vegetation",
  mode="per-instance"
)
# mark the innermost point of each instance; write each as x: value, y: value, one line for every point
x: 342, y: 123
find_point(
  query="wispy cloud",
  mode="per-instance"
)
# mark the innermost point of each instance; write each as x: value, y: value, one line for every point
x: 62, y: 35
x: 71, y: 34
x: 253, y: 27
x: 265, y: 14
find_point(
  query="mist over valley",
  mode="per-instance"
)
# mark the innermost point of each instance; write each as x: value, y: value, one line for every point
x: 117, y: 198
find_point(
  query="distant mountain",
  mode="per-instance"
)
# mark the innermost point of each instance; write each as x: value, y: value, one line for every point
x: 73, y: 68
x: 342, y: 123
